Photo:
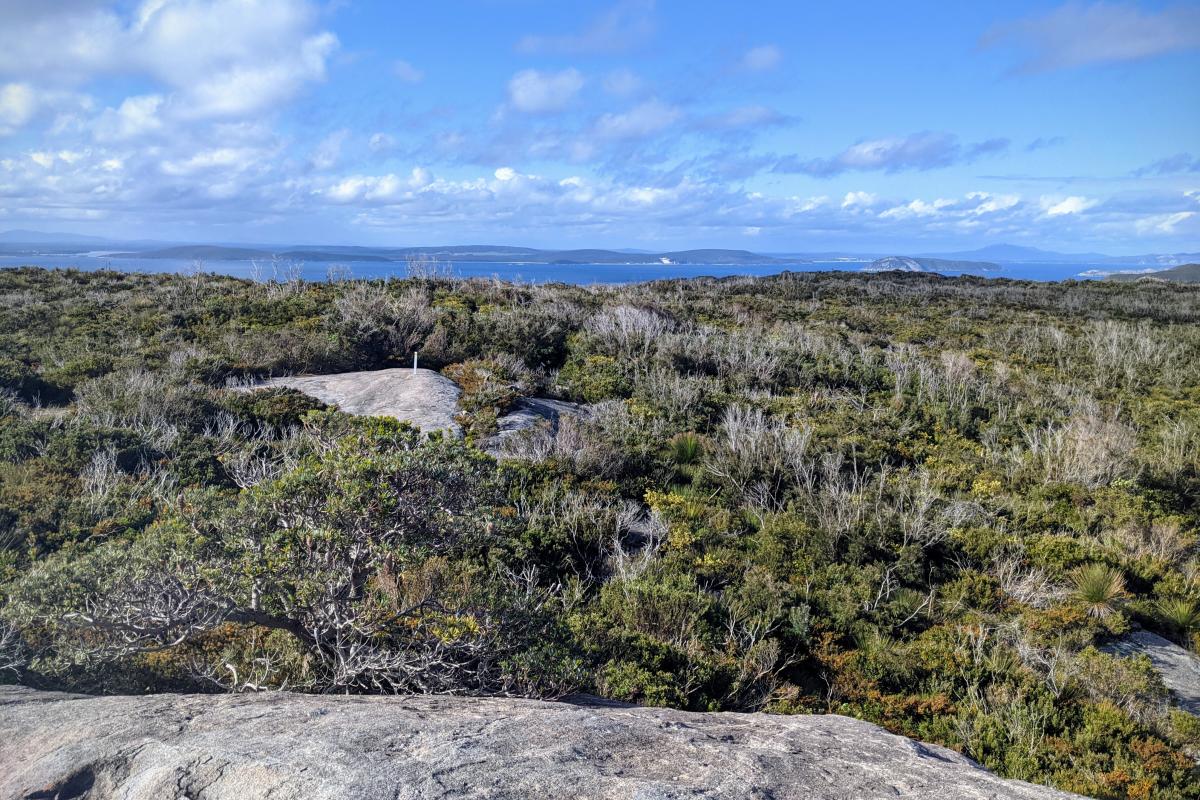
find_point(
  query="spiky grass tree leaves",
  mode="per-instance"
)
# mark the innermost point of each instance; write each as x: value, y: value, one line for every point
x: 1099, y: 588
x: 1182, y: 614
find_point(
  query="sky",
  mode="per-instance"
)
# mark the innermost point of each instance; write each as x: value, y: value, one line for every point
x: 770, y: 126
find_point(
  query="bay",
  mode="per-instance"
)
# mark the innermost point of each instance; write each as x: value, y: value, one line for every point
x: 517, y: 271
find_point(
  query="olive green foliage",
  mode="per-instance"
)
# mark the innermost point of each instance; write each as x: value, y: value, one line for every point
x: 489, y: 387
x: 925, y: 502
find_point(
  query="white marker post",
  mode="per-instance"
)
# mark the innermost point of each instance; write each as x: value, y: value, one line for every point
x: 414, y: 361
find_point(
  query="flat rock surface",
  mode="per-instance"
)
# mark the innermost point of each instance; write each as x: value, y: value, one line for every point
x: 244, y: 747
x: 423, y: 397
x: 1179, y: 668
x: 531, y: 412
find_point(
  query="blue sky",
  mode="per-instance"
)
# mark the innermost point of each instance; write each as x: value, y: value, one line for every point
x: 771, y: 126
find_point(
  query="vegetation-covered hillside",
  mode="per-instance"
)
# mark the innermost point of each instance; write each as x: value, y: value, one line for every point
x: 924, y: 502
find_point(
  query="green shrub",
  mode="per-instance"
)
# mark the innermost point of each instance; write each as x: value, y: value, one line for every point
x: 593, y: 378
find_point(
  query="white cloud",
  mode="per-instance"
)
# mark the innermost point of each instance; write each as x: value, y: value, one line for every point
x: 858, y: 199
x: 221, y: 57
x: 329, y: 150
x: 377, y: 189
x: 762, y: 58
x: 803, y: 205
x: 136, y: 116
x: 247, y: 88
x: 1061, y: 206
x: 917, y: 208
x: 644, y: 119
x: 537, y: 92
x: 17, y: 106
x: 1163, y: 223
x: 407, y: 72
x: 990, y: 204
x: 218, y: 158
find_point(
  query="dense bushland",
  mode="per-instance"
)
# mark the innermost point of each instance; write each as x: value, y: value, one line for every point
x: 924, y: 502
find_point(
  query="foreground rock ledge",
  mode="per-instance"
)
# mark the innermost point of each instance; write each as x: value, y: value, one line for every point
x: 238, y: 747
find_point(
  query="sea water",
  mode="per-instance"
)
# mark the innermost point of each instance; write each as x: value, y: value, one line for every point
x: 518, y: 271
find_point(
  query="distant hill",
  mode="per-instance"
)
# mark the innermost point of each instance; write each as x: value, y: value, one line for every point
x: 921, y: 264
x: 42, y: 237
x: 1155, y: 259
x: 1018, y: 254
x: 482, y: 253
x: 199, y: 251
x: 583, y: 255
x: 1185, y: 273
x: 209, y: 252
x: 718, y: 257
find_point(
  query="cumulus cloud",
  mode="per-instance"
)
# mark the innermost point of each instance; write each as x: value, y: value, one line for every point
x: 17, y: 106
x: 136, y: 116
x: 858, y: 200
x: 918, y: 151
x: 762, y: 58
x: 986, y: 203
x: 1077, y: 34
x: 536, y: 92
x: 916, y: 208
x: 377, y: 189
x: 220, y: 57
x: 625, y: 25
x: 1061, y: 206
x: 966, y: 211
x: 22, y: 103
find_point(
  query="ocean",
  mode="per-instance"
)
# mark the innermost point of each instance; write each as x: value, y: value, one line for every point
x: 522, y: 272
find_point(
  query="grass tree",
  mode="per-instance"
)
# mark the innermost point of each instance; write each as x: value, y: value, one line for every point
x: 1099, y: 588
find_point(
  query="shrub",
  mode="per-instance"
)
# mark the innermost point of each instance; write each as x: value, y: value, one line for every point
x: 593, y: 378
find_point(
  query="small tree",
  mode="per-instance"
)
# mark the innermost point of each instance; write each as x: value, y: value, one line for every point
x: 373, y: 556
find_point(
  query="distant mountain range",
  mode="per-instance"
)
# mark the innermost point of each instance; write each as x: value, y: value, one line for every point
x: 38, y: 237
x: 986, y: 259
